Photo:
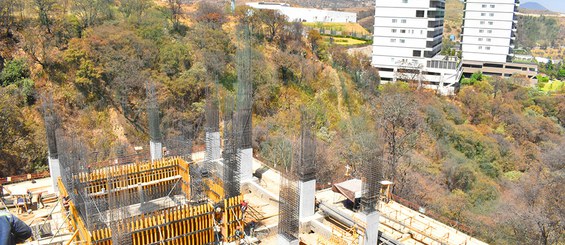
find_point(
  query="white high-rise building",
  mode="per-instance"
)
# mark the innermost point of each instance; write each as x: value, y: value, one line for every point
x: 407, y: 43
x: 489, y: 28
x: 489, y: 32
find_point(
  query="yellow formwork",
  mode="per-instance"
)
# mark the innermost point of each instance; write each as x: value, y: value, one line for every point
x: 177, y: 225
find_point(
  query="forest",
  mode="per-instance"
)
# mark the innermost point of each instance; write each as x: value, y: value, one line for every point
x: 490, y: 157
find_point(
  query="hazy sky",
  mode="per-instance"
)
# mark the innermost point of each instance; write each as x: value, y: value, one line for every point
x: 554, y: 5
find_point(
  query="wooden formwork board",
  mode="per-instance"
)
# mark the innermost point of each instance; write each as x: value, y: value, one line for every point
x: 177, y: 225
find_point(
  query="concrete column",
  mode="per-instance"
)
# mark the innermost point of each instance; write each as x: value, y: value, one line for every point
x: 282, y: 240
x: 372, y: 228
x: 156, y: 149
x: 307, y: 191
x: 55, y: 171
x: 246, y: 164
x: 214, y: 147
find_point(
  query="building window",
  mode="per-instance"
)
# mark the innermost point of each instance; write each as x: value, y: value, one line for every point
x: 402, y: 41
x: 420, y: 13
x: 480, y: 47
x: 404, y: 1
x: 392, y: 40
x: 489, y: 31
x: 488, y: 40
x: 482, y: 22
x: 483, y: 14
x: 481, y: 31
x: 484, y: 6
x: 491, y: 14
x: 403, y: 21
x: 393, y: 30
x: 417, y: 53
x: 490, y: 23
x: 492, y: 6
x: 480, y: 39
x: 402, y: 31
x: 394, y: 20
x: 487, y: 48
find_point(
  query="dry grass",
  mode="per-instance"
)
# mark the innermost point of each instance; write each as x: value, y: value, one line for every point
x: 345, y: 27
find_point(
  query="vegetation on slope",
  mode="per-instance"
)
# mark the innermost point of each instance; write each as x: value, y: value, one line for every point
x: 490, y: 157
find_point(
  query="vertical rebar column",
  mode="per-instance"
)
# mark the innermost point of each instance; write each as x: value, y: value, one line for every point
x: 307, y: 167
x: 51, y: 124
x: 369, y: 200
x: 118, y: 212
x: 155, y: 143
x: 212, y: 128
x: 289, y: 208
x: 231, y: 175
x: 245, y: 103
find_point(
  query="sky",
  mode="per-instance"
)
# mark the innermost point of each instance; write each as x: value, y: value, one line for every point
x: 553, y: 5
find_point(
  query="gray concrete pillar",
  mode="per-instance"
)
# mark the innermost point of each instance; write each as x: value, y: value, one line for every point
x: 156, y: 149
x: 371, y: 229
x: 246, y: 164
x: 55, y: 171
x: 283, y: 240
x: 307, y: 191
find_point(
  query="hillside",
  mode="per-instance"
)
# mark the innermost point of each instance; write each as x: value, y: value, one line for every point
x: 490, y: 157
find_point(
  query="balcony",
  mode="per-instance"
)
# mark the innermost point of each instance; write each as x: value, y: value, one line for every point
x: 434, y: 34
x: 436, y: 14
x: 437, y: 4
x: 435, y: 24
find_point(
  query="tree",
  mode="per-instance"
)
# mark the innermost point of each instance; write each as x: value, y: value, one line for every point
x: 175, y: 12
x: 210, y: 14
x: 134, y: 8
x: 45, y: 9
x: 400, y: 124
x: 7, y: 9
x: 89, y: 12
x: 274, y: 21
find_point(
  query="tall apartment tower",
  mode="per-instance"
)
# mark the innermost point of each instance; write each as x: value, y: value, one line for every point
x: 487, y: 40
x: 408, y: 38
x: 489, y: 28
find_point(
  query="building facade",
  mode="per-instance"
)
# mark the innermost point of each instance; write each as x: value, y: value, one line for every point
x: 407, y: 42
x: 489, y: 28
x: 307, y: 14
x: 487, y: 40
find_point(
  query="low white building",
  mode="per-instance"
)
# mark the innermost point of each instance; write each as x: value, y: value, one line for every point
x: 306, y: 14
x: 407, y: 41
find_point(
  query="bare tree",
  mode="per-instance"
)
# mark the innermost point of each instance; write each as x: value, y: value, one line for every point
x: 400, y: 125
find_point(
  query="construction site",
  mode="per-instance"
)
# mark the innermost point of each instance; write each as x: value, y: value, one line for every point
x: 169, y: 194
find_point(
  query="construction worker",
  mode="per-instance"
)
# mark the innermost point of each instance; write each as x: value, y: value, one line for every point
x: 12, y: 229
x: 40, y: 200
